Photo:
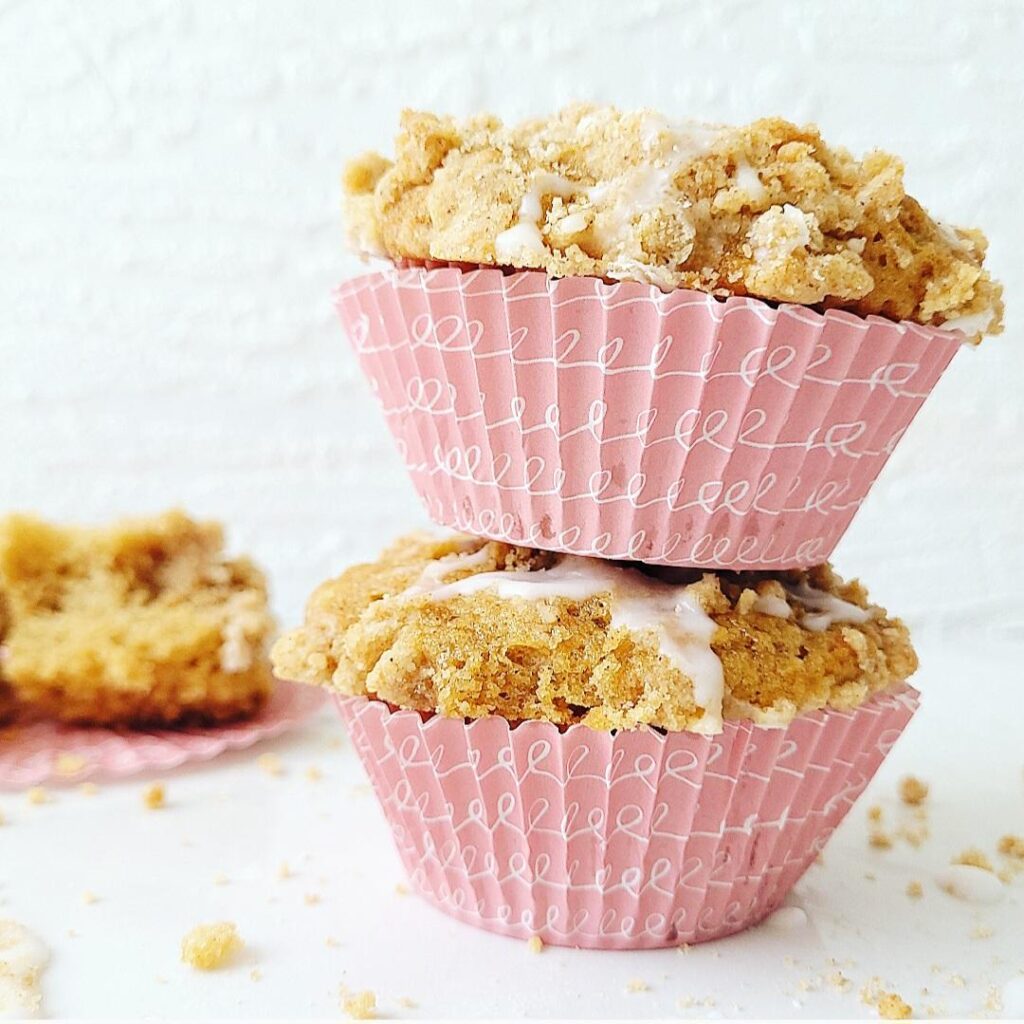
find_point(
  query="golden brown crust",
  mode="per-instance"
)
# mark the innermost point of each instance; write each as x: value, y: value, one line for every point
x: 375, y: 630
x: 142, y: 623
x: 767, y: 210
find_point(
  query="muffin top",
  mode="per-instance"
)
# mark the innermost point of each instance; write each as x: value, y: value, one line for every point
x: 466, y: 628
x: 766, y: 210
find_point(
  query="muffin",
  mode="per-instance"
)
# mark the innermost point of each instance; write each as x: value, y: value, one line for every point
x: 642, y: 757
x: 609, y: 334
x: 143, y: 623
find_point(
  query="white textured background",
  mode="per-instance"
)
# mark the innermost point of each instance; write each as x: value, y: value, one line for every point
x: 169, y: 235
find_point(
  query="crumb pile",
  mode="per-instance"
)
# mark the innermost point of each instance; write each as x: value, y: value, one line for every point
x: 768, y: 210
x: 468, y: 628
x: 142, y: 623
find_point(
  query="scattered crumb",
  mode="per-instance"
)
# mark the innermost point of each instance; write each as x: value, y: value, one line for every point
x: 284, y: 871
x: 311, y: 899
x: 879, y: 840
x: 270, y: 763
x: 401, y: 889
x: 974, y: 858
x: 1012, y: 847
x: 69, y: 764
x: 72, y: 933
x: 981, y: 931
x: 89, y: 897
x: 913, y: 791
x: 255, y: 974
x: 892, y: 1007
x: 220, y: 878
x: 871, y: 876
x: 88, y: 789
x: 535, y: 944
x: 154, y: 797
x: 637, y: 985
x: 3, y: 820
x: 38, y: 795
x: 313, y: 773
x: 407, y: 1003
x: 209, y: 946
x: 839, y: 981
x: 957, y: 981
x: 332, y: 943
x: 359, y: 1005
x: 914, y: 832
x: 875, y: 813
x: 915, y: 890
x: 994, y: 1000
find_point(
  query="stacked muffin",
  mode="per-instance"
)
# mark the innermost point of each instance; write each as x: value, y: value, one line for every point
x: 651, y: 370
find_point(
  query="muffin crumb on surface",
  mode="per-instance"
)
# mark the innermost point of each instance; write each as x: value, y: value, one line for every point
x: 767, y: 210
x: 209, y: 946
x: 358, y: 1005
x: 154, y: 797
x: 583, y: 640
x: 913, y: 791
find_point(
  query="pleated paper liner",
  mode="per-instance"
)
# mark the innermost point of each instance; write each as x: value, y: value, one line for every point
x: 620, y: 421
x: 627, y: 840
x: 53, y: 753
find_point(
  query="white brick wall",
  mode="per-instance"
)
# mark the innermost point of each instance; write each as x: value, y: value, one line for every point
x: 169, y: 236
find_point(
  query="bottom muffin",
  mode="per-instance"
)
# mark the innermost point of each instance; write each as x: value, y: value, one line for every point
x: 467, y: 628
x: 143, y: 623
x: 603, y: 755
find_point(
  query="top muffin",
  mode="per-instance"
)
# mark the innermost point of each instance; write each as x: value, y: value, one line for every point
x: 766, y: 210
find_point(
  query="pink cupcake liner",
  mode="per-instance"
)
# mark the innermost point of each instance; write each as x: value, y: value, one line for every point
x: 627, y: 840
x: 50, y: 752
x: 620, y: 421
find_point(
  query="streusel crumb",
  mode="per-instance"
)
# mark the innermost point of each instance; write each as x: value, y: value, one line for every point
x: 893, y: 1007
x: 1012, y: 847
x: 974, y: 858
x: 915, y: 890
x: 359, y: 1005
x: 209, y: 946
x: 425, y: 628
x: 913, y: 791
x: 768, y: 210
x: 142, y: 623
x: 154, y: 797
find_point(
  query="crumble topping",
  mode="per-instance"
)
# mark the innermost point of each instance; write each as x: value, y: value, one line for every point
x: 768, y: 210
x: 468, y: 628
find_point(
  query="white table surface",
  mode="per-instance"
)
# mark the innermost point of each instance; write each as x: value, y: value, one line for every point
x: 158, y: 873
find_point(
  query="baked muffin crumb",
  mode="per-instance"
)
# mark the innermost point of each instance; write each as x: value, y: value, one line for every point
x: 359, y: 1005
x: 975, y: 858
x: 154, y: 797
x: 210, y: 946
x: 893, y: 1007
x: 913, y: 791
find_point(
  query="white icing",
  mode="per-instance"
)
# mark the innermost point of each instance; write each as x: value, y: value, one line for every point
x: 772, y: 604
x: 971, y: 323
x: 573, y: 224
x: 826, y: 609
x: 23, y: 956
x: 524, y: 236
x: 430, y: 579
x: 972, y: 884
x: 1013, y: 998
x: 747, y: 179
x: 640, y: 603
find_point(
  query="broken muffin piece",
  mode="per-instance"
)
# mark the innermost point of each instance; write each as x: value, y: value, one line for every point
x: 142, y: 623
x: 467, y: 627
x: 766, y: 210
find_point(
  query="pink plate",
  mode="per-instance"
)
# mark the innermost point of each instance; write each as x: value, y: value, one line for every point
x: 54, y: 753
